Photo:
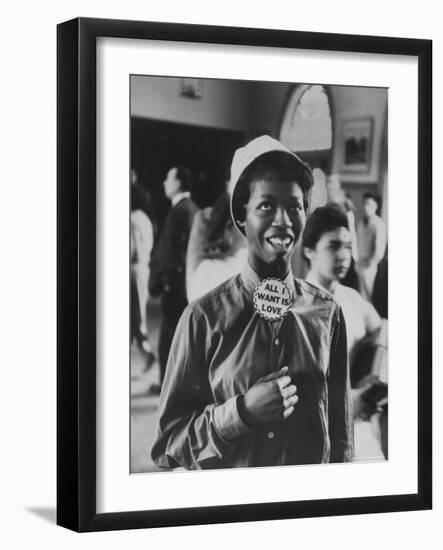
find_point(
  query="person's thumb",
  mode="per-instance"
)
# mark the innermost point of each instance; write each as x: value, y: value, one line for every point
x: 275, y: 374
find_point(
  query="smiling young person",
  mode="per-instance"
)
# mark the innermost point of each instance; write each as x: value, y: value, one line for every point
x: 258, y: 373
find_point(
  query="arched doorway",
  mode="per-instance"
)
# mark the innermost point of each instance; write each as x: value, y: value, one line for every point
x: 307, y: 130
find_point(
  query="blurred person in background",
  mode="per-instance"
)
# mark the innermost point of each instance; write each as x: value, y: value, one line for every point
x: 216, y: 249
x: 142, y: 240
x: 168, y: 264
x: 327, y: 247
x: 318, y: 197
x: 371, y: 243
x: 144, y: 199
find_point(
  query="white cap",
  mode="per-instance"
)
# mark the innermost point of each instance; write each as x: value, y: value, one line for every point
x: 244, y: 156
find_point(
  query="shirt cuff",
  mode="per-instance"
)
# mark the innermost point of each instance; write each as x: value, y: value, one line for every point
x: 227, y: 421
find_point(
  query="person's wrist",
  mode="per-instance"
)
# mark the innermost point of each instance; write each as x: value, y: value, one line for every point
x: 243, y: 412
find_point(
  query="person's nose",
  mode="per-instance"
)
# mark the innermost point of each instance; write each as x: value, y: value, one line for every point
x: 342, y: 254
x: 281, y: 218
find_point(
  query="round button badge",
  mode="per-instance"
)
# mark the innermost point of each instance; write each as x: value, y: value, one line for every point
x: 272, y: 299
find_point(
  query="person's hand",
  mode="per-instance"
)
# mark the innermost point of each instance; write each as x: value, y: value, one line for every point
x: 359, y: 406
x: 271, y: 398
x: 363, y: 264
x: 365, y: 397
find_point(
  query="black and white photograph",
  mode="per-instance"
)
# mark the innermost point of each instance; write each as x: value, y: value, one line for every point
x: 258, y: 273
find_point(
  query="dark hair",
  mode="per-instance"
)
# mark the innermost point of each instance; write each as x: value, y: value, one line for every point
x: 220, y: 217
x: 274, y: 166
x: 137, y: 198
x: 321, y: 221
x: 223, y: 238
x: 375, y: 198
x: 141, y: 199
x: 185, y: 177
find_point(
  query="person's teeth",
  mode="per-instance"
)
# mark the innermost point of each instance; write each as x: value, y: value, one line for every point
x: 279, y: 241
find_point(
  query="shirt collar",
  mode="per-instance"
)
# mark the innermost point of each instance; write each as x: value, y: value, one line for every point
x: 177, y: 198
x: 251, y: 278
x: 311, y: 279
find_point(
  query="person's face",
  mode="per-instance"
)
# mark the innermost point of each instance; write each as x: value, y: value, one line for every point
x: 274, y: 219
x: 331, y: 257
x: 171, y: 185
x: 370, y: 207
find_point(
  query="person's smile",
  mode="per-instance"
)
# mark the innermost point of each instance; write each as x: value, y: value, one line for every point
x: 281, y: 242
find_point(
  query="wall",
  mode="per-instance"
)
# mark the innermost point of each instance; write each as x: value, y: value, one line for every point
x: 350, y: 102
x: 258, y: 107
x: 356, y: 102
x: 255, y: 107
x: 269, y: 102
x: 346, y: 102
x: 224, y: 103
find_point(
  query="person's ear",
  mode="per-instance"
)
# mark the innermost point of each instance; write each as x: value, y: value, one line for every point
x: 241, y: 213
x: 308, y: 253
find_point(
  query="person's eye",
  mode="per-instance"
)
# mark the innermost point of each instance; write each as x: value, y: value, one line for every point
x: 296, y: 207
x: 265, y: 206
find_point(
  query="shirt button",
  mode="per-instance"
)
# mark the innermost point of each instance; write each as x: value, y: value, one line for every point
x: 277, y: 342
x: 270, y: 435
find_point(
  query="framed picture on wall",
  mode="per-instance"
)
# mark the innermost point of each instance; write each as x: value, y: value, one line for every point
x: 121, y: 106
x: 356, y: 145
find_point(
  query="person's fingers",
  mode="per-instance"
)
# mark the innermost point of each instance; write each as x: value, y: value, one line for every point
x: 289, y: 391
x: 288, y: 412
x: 274, y: 375
x: 367, y: 381
x: 372, y: 379
x: 290, y: 402
x: 283, y: 382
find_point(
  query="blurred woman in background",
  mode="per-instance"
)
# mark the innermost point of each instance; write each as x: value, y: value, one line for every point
x: 142, y: 240
x: 216, y: 249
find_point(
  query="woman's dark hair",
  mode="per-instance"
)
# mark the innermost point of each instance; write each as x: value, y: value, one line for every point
x: 321, y: 221
x: 274, y: 166
x: 184, y: 175
x: 375, y: 198
x: 138, y: 200
x: 222, y: 237
x: 220, y: 218
x: 141, y: 199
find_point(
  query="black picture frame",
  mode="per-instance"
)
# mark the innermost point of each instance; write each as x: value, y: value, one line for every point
x: 76, y: 273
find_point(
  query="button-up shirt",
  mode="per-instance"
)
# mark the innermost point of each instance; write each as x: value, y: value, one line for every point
x: 221, y: 347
